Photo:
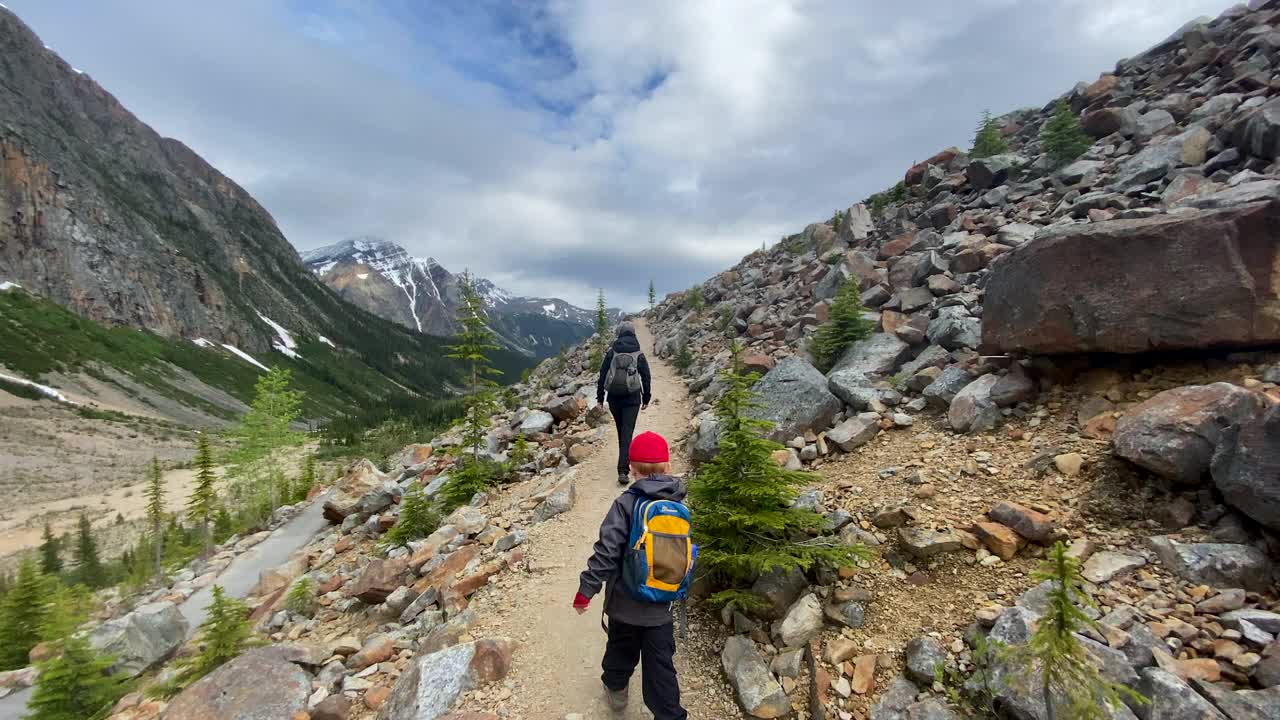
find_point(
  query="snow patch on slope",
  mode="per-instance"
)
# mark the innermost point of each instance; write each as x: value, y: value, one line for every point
x: 42, y: 389
x: 244, y: 356
x: 6, y: 285
x: 328, y: 342
x: 287, y: 346
x: 203, y: 342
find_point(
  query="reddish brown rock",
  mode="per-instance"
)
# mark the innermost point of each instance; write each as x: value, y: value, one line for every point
x: 1175, y: 433
x: 334, y: 707
x: 376, y: 697
x: 897, y: 246
x: 943, y: 159
x: 1034, y: 526
x: 760, y: 363
x: 1003, y: 542
x: 1204, y: 279
x: 378, y: 648
x: 379, y: 579
x: 452, y: 565
x: 566, y: 408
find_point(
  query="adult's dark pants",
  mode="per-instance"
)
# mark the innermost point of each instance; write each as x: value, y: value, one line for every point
x: 654, y: 648
x: 624, y: 417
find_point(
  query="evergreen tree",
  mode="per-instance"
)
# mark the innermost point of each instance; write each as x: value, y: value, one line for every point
x: 683, y: 359
x: 653, y: 297
x: 201, y: 504
x: 75, y: 684
x: 417, y: 519
x: 50, y: 552
x: 741, y: 501
x: 519, y: 453
x: 225, y: 633
x: 306, y: 480
x: 600, y: 341
x: 1056, y: 660
x: 694, y: 300
x: 89, y: 570
x: 471, y: 474
x: 1063, y: 138
x: 988, y: 140
x: 844, y: 327
x: 155, y: 514
x: 223, y: 525
x: 254, y: 461
x: 301, y: 599
x: 66, y: 609
x: 21, y: 616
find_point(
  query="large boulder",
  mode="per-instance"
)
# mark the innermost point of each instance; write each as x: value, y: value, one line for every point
x: 141, y: 639
x: 946, y: 386
x: 705, y: 442
x: 254, y: 686
x: 1175, y: 433
x: 758, y: 692
x: 794, y: 398
x: 802, y: 623
x: 954, y: 329
x: 987, y: 172
x: 361, y: 478
x: 1221, y: 565
x: 1157, y: 159
x: 558, y: 498
x: 434, y: 682
x: 566, y: 408
x: 1173, y: 699
x: 855, y: 432
x: 1200, y: 279
x: 877, y: 356
x: 537, y: 421
x: 1259, y: 132
x: 1246, y: 468
x: 378, y: 580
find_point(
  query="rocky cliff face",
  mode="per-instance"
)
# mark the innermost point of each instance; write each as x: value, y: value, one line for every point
x: 104, y: 216
x: 381, y: 277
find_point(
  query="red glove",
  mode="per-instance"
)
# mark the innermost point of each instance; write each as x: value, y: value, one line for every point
x: 580, y: 601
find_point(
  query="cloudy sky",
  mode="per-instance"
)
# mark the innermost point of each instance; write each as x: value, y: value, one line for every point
x: 557, y: 146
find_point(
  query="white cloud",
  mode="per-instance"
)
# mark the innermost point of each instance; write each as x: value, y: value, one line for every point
x: 533, y: 142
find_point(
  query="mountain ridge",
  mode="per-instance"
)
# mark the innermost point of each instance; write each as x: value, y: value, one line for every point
x: 380, y: 276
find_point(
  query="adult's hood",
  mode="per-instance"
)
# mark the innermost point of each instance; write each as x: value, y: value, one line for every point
x: 626, y: 344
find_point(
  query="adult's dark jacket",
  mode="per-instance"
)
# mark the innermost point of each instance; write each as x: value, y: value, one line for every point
x: 604, y: 568
x: 626, y: 343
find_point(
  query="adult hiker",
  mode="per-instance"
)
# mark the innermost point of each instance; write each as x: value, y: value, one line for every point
x: 624, y: 376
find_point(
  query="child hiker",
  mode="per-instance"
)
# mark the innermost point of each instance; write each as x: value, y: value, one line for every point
x: 644, y: 559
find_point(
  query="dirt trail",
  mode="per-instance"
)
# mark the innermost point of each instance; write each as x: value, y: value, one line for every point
x: 557, y: 668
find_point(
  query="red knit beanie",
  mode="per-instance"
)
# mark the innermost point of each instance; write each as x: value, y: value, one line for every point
x: 649, y: 447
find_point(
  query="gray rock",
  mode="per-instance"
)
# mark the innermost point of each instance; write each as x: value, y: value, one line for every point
x: 924, y: 655
x: 1266, y: 620
x: 1152, y: 122
x: 1015, y: 234
x: 1216, y: 564
x: 1013, y: 387
x: 972, y: 410
x: 141, y: 639
x: 991, y: 171
x: 1036, y: 601
x: 419, y: 605
x: 1242, y: 704
x: 787, y: 663
x: 858, y: 223
x: 705, y: 443
x: 759, y: 694
x: 254, y: 686
x: 879, y: 355
x: 536, y: 422
x: 1242, y: 194
x: 954, y: 331
x: 467, y: 520
x: 1157, y: 159
x: 1173, y: 699
x: 1103, y: 566
x: 810, y: 500
x: 1175, y: 433
x: 850, y: 614
x: 794, y: 398
x: 1216, y: 105
x: 942, y: 391
x: 780, y: 589
x: 1258, y: 133
x: 895, y: 701
x: 802, y: 623
x: 924, y: 543
x: 559, y: 499
x: 510, y: 540
x: 855, y: 432
x: 433, y: 682
x: 830, y: 283
x: 1079, y: 171
x: 1246, y: 467
x: 1254, y: 634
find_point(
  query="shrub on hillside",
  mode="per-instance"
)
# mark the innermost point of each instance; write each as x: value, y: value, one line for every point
x: 843, y: 328
x: 987, y: 139
x: 1063, y: 138
x: 742, y: 502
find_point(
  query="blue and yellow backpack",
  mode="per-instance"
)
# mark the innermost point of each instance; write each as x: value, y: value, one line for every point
x: 660, y: 553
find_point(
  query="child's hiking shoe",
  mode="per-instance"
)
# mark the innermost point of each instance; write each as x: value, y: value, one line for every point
x: 624, y: 479
x: 617, y: 699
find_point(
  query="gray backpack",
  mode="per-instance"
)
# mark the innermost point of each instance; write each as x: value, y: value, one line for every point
x: 624, y: 374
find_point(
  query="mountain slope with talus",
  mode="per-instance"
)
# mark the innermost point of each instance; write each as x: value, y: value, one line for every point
x: 381, y: 277
x: 125, y: 228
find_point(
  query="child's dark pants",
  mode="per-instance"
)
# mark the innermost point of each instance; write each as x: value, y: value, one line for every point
x: 625, y: 415
x: 655, y: 649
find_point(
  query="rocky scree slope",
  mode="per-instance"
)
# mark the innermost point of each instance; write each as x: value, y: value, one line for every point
x: 381, y: 277
x: 1020, y: 389
x: 108, y: 219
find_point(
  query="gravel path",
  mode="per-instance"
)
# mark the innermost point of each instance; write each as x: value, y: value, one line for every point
x: 557, y: 666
